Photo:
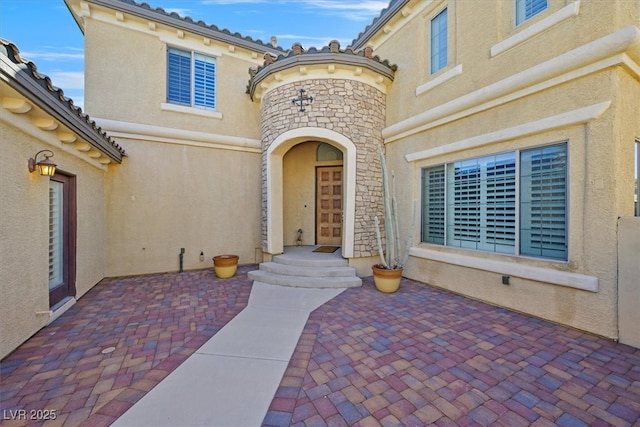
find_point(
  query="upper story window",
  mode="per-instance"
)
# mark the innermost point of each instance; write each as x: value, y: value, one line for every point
x: 439, y: 42
x: 526, y: 9
x: 191, y: 79
x: 510, y: 203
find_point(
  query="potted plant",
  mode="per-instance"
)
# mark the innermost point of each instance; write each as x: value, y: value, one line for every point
x: 225, y: 266
x: 388, y: 273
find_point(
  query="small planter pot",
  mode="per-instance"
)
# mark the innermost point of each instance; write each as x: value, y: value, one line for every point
x: 387, y: 281
x: 225, y: 266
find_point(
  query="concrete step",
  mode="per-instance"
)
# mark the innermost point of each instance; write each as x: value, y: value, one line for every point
x: 307, y: 271
x: 304, y: 281
x: 318, y: 260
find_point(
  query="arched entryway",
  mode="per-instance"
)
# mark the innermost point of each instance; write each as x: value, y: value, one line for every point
x: 313, y: 194
x: 281, y: 230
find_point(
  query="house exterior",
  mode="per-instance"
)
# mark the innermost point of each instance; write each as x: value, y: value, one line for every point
x: 512, y: 125
x: 53, y: 235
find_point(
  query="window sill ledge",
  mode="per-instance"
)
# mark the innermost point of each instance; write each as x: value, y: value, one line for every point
x: 565, y: 13
x: 442, y: 78
x: 190, y: 110
x: 538, y: 274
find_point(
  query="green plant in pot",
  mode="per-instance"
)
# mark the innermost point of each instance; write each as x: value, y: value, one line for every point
x: 388, y: 273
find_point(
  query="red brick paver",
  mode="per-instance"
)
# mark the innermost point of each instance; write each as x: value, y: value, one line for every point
x: 424, y: 356
x: 153, y: 322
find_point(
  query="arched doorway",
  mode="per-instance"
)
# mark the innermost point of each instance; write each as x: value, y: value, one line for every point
x: 313, y: 194
x: 282, y: 172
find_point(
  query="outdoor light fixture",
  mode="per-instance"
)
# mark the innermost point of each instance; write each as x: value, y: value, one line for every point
x: 46, y: 167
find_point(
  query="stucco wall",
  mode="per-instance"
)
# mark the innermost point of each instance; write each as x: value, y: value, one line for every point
x: 483, y: 102
x: 129, y: 63
x: 166, y: 197
x: 24, y: 270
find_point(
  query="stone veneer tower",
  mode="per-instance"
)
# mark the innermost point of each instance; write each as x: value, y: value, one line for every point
x: 348, y: 111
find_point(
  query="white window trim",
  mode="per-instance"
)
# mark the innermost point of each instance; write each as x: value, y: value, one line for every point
x: 537, y: 274
x: 556, y: 18
x: 579, y: 116
x: 441, y: 79
x: 165, y: 106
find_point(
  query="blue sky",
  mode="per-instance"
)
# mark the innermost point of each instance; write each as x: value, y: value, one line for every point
x: 46, y: 33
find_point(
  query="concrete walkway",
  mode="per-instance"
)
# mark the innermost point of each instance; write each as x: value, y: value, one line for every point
x: 232, y: 378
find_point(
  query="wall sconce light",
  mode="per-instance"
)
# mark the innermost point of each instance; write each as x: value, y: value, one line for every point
x: 45, y: 167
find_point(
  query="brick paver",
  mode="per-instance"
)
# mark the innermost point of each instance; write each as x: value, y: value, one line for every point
x: 153, y: 323
x: 421, y: 356
x: 424, y: 356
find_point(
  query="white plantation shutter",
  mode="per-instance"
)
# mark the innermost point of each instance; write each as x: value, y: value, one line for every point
x: 463, y: 207
x: 543, y: 202
x: 55, y: 234
x: 178, y: 76
x: 481, y: 203
x: 204, y: 81
x: 500, y: 208
x: 433, y: 221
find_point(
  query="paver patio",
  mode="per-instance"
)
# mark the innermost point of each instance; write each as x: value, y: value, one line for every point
x: 418, y: 357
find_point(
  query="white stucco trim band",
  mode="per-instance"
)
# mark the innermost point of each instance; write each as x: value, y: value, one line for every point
x: 442, y: 78
x: 600, y: 54
x: 538, y: 274
x: 565, y: 13
x: 570, y: 118
x: 191, y: 110
x: 142, y: 132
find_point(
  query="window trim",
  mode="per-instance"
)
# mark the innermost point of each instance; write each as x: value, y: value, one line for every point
x: 517, y: 203
x: 192, y: 80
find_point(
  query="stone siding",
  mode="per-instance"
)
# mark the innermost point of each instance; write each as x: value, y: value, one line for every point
x: 354, y: 109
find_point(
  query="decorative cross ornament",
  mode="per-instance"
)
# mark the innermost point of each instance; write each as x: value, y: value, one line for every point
x: 303, y: 100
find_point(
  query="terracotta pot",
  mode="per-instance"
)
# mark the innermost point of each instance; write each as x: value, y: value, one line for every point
x: 225, y: 266
x: 387, y: 281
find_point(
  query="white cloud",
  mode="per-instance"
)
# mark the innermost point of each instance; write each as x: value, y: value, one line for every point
x: 181, y: 12
x: 354, y: 10
x: 52, y: 56
x: 67, y: 80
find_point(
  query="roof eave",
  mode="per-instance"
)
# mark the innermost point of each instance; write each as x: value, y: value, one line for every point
x: 17, y: 78
x: 320, y: 58
x: 184, y: 24
x: 378, y: 24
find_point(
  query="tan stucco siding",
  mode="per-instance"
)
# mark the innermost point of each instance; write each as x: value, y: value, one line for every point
x: 131, y: 67
x: 167, y: 196
x: 474, y: 29
x: 596, y: 198
x: 24, y: 250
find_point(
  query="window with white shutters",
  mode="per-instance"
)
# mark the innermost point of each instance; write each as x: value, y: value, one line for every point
x: 191, y: 79
x: 491, y: 203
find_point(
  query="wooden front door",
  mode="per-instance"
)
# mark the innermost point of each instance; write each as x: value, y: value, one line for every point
x: 329, y: 205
